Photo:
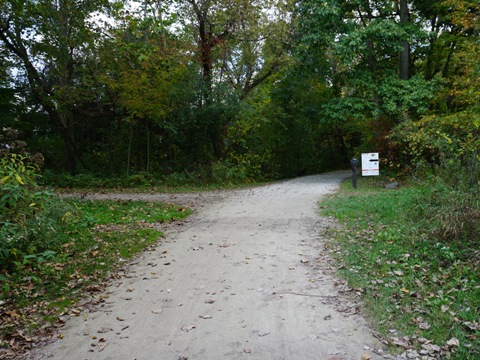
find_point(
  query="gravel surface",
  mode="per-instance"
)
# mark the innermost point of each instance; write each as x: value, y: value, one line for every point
x: 247, y: 276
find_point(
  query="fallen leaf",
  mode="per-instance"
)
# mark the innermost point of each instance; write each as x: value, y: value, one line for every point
x: 412, y: 354
x: 431, y: 348
x: 204, y: 316
x: 366, y: 357
x: 104, y: 330
x: 158, y: 311
x: 453, y: 342
x: 120, y: 318
x: 188, y: 327
x: 209, y: 301
x: 422, y: 340
x: 400, y: 342
x: 472, y: 325
x: 424, y: 325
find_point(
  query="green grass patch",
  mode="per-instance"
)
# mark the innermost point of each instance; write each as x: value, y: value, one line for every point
x: 414, y: 252
x: 80, y: 244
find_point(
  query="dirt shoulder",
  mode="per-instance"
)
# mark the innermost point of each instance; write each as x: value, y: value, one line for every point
x: 246, y: 276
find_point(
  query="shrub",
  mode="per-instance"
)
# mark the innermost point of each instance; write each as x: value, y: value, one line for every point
x: 21, y: 197
x: 447, y: 145
x: 22, y: 202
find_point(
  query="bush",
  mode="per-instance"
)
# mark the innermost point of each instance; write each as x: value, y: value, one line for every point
x: 21, y: 197
x: 23, y: 205
x: 446, y: 145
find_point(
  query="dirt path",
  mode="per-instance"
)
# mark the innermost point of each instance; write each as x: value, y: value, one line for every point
x: 245, y: 278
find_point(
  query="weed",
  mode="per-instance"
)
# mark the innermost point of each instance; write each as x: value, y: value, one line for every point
x: 72, y: 246
x: 418, y: 271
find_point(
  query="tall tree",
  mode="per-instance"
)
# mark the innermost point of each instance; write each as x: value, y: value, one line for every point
x: 51, y: 40
x: 145, y: 61
x: 361, y: 41
x: 235, y: 54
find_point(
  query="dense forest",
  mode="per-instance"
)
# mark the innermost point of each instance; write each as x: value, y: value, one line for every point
x: 239, y: 89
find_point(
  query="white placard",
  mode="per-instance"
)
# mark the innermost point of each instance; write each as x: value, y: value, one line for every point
x: 370, y: 164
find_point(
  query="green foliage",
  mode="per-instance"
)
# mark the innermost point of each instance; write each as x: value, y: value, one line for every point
x: 413, y: 255
x: 21, y: 198
x: 251, y: 96
x: 72, y: 246
x: 22, y: 205
x: 448, y: 144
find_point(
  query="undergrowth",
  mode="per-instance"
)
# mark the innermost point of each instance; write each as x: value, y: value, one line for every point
x: 219, y: 176
x: 71, y: 247
x: 415, y: 254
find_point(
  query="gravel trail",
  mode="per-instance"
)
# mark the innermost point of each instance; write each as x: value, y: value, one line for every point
x: 245, y: 277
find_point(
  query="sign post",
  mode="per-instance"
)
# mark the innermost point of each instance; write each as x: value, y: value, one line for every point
x: 354, y: 164
x: 370, y: 164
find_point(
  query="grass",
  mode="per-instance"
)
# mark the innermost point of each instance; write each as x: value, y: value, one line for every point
x: 414, y: 252
x: 95, y: 239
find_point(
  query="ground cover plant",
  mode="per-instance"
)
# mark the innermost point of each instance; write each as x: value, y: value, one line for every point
x: 413, y: 254
x: 68, y: 250
x: 224, y: 177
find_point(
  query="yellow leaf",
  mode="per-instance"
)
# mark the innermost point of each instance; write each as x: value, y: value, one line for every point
x: 5, y: 179
x: 19, y: 179
x: 32, y: 205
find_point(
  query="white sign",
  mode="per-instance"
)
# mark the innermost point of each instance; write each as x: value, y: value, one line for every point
x: 370, y: 164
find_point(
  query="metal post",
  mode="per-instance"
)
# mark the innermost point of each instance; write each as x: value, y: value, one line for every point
x: 354, y: 165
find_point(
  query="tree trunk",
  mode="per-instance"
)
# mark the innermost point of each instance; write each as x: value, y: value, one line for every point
x: 148, y: 148
x: 404, y: 58
x: 138, y: 148
x: 129, y: 150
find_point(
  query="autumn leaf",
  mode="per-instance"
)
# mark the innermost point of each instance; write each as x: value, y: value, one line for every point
x: 453, y: 342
